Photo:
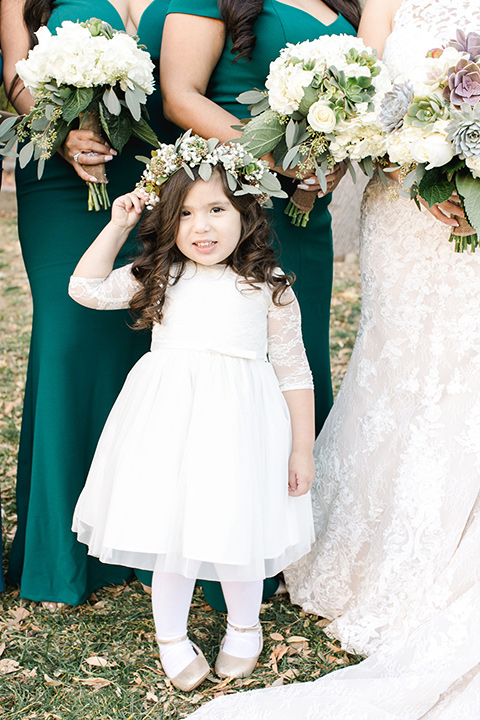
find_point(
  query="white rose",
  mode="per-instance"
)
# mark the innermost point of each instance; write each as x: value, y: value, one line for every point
x: 321, y: 117
x: 433, y: 149
x: 473, y: 163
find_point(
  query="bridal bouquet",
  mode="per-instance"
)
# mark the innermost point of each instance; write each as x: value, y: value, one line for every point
x: 433, y: 131
x: 87, y: 71
x: 320, y: 108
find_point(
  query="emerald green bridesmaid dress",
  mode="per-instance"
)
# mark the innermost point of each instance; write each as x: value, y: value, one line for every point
x: 79, y: 358
x: 307, y: 252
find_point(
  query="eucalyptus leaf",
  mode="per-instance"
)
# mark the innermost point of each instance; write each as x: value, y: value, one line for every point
x: 40, y: 124
x: 8, y: 124
x: 319, y: 172
x: 259, y: 107
x: 469, y: 190
x: 25, y: 154
x: 112, y: 103
x: 250, y: 97
x: 351, y: 169
x: 270, y: 182
x: 189, y: 172
x: 205, y: 171
x: 231, y: 181
x: 133, y: 105
x: 290, y: 133
x: 40, y: 168
x: 212, y: 144
x: 291, y: 159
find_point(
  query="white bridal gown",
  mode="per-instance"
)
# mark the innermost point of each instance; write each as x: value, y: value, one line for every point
x: 396, y: 563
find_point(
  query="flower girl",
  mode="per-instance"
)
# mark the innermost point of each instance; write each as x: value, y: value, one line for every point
x: 204, y: 465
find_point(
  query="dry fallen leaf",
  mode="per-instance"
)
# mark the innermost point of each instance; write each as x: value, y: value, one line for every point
x: 8, y: 666
x: 96, y: 683
x: 2, y: 648
x: 151, y: 697
x: 276, y: 636
x: 50, y: 681
x: 97, y: 661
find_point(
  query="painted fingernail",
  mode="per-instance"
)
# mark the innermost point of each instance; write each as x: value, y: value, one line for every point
x: 108, y: 157
x: 93, y: 179
x: 303, y: 187
x: 321, y: 194
x: 310, y: 181
x: 328, y: 172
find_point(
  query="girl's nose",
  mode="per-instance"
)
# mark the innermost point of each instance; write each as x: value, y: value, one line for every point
x: 201, y: 223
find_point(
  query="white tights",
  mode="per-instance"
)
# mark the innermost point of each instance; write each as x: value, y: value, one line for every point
x: 171, y: 598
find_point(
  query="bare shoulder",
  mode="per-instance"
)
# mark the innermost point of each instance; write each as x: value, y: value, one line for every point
x: 377, y: 22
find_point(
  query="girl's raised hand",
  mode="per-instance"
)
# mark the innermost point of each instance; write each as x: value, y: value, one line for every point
x: 301, y: 472
x: 127, y: 209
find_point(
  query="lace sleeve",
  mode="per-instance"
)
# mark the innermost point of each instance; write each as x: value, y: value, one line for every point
x: 285, y: 344
x: 111, y: 293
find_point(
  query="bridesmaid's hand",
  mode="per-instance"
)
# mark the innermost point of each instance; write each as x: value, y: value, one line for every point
x: 83, y: 148
x: 333, y: 178
x: 127, y: 209
x: 301, y: 472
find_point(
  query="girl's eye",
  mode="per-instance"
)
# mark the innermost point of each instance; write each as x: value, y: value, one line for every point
x: 217, y: 209
x: 184, y: 213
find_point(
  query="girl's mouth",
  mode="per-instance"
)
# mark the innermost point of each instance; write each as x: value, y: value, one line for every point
x: 205, y: 243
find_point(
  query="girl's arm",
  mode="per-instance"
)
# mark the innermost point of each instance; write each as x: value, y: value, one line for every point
x: 287, y: 355
x: 301, y: 466
x: 98, y: 260
x: 94, y: 283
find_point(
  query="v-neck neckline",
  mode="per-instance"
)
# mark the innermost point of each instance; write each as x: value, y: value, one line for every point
x: 292, y: 7
x: 121, y: 19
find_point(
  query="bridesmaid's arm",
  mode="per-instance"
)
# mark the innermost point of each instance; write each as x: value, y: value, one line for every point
x: 191, y: 48
x: 15, y: 46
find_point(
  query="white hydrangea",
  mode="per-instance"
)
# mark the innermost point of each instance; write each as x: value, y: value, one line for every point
x: 73, y: 57
x: 361, y: 137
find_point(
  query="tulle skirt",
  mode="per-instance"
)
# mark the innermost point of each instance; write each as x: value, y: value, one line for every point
x: 191, y: 472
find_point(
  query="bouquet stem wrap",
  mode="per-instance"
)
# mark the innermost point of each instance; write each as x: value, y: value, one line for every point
x: 97, y: 192
x: 464, y: 235
x: 300, y: 206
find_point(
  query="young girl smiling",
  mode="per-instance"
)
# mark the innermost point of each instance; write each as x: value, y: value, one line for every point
x: 205, y: 463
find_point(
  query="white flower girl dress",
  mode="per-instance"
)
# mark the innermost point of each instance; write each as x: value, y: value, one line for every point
x: 191, y: 471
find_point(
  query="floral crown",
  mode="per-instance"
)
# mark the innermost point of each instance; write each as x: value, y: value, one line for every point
x: 245, y: 174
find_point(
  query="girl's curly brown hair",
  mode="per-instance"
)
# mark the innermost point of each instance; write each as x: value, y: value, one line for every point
x: 162, y: 264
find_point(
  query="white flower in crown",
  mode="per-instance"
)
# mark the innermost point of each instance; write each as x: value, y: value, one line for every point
x: 245, y: 174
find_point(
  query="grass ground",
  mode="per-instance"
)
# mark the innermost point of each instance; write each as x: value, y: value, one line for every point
x: 98, y: 661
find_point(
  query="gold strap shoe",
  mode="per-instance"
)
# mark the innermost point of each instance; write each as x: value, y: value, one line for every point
x: 195, y: 672
x: 230, y: 666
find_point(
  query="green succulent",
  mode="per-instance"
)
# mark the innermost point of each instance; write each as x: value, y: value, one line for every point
x: 424, y: 110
